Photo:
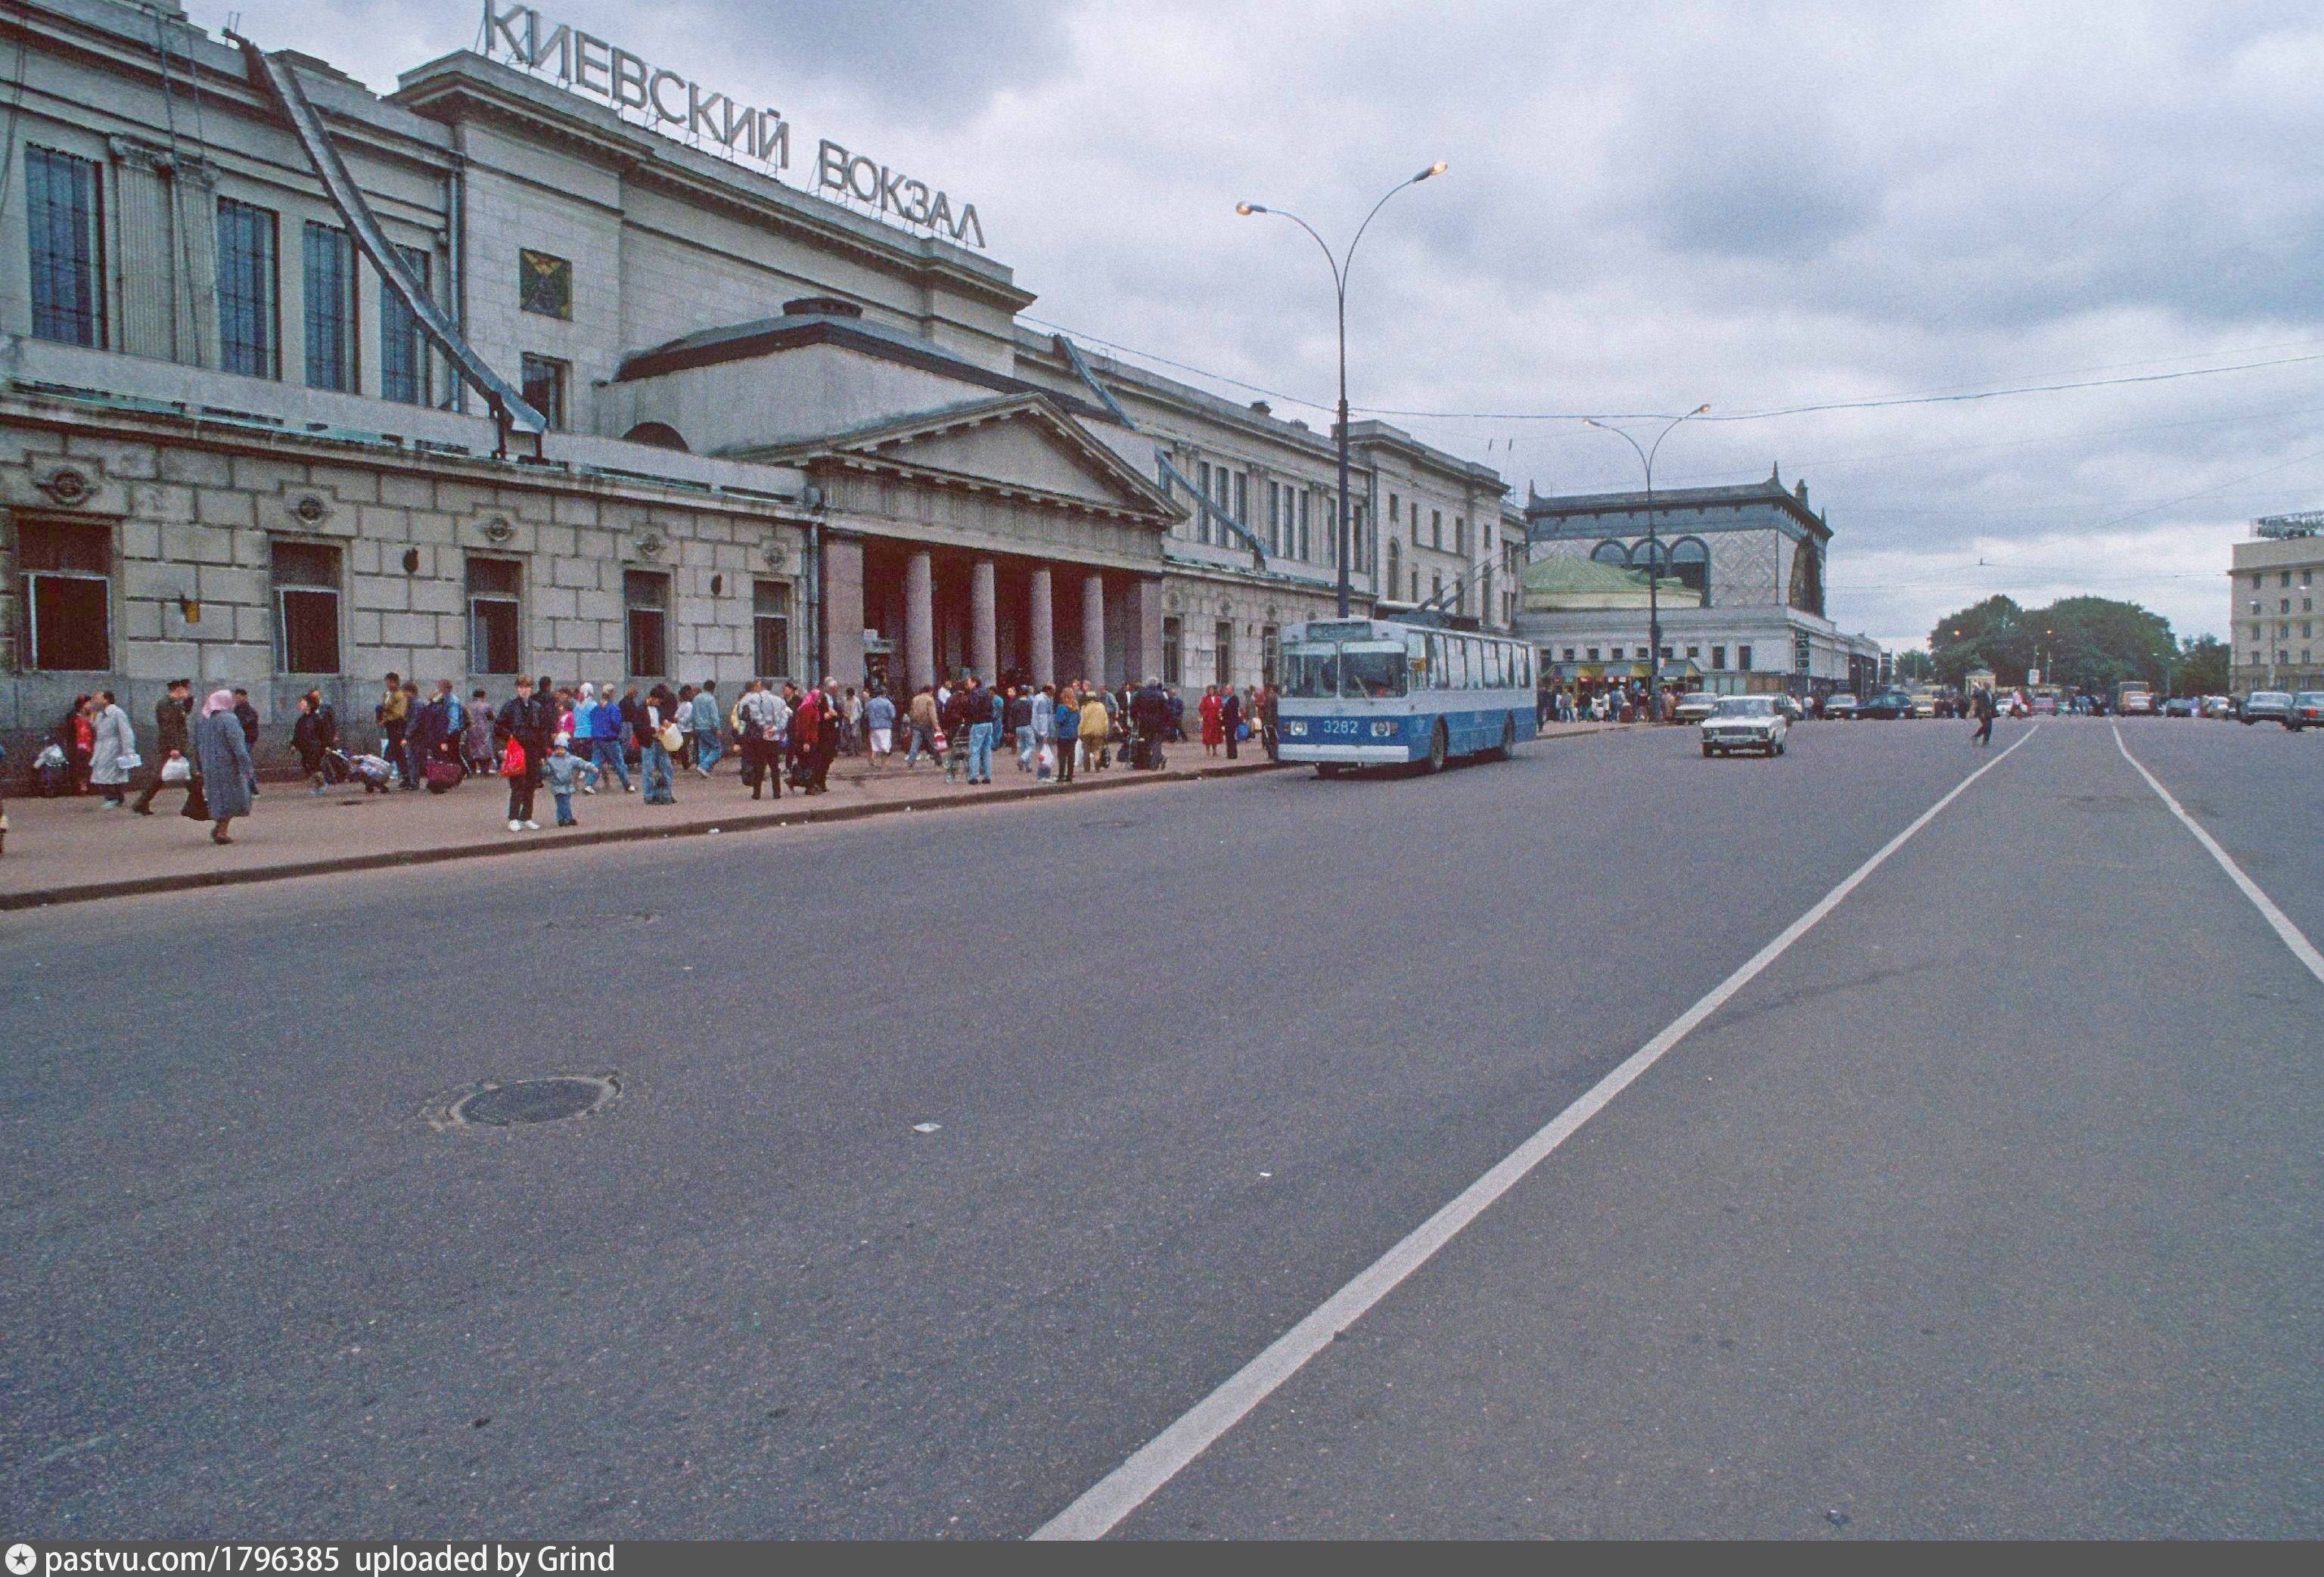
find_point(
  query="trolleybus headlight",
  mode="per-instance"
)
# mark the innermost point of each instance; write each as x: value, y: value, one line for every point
x: 1295, y: 730
x: 1384, y: 728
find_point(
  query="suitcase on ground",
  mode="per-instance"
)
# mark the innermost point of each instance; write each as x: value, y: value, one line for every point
x: 443, y: 776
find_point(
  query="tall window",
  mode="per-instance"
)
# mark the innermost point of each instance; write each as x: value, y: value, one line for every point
x: 1222, y: 640
x: 248, y: 341
x: 1394, y: 567
x: 770, y: 627
x: 1271, y: 649
x: 1436, y: 528
x: 306, y: 608
x: 1461, y: 535
x: 403, y: 366
x: 1306, y: 554
x: 330, y: 276
x: 66, y: 573
x: 1174, y: 646
x: 645, y: 594
x: 545, y: 381
x: 495, y: 614
x: 1743, y: 660
x: 1203, y: 486
x: 1242, y: 496
x: 1275, y: 518
x: 64, y: 219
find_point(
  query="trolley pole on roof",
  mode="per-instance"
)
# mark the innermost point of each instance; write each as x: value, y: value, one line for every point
x: 1339, y: 265
x: 1653, y: 553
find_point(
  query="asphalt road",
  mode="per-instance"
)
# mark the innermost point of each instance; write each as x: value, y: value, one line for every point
x: 1990, y: 1208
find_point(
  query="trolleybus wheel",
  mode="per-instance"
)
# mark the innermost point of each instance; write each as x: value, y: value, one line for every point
x: 1436, y: 747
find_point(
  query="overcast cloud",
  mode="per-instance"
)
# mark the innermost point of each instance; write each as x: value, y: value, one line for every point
x: 1649, y: 207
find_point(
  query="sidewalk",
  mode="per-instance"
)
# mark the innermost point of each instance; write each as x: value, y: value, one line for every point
x: 66, y: 851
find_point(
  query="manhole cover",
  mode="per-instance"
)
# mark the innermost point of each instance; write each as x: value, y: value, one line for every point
x: 526, y: 1100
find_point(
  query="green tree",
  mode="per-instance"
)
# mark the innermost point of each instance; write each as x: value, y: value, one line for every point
x: 1989, y: 634
x: 2087, y: 643
x: 1914, y: 667
x: 2202, y: 667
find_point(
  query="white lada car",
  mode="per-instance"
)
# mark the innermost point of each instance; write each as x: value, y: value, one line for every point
x: 1745, y: 723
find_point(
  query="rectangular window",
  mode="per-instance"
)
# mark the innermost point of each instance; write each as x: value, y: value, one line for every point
x: 1222, y: 653
x: 1275, y: 518
x: 66, y: 575
x: 1594, y: 654
x: 1743, y: 658
x: 1306, y: 551
x: 544, y: 285
x: 403, y: 362
x: 1569, y: 654
x: 306, y: 608
x: 1270, y: 653
x: 495, y: 614
x: 1436, y: 528
x: 645, y: 594
x: 330, y: 277
x: 1461, y: 535
x: 1395, y: 509
x: 771, y: 628
x: 1174, y: 646
x: 1242, y: 497
x: 545, y: 380
x: 64, y: 218
x: 249, y: 342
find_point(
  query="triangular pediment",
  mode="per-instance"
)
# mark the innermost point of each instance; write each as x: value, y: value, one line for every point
x: 1020, y: 442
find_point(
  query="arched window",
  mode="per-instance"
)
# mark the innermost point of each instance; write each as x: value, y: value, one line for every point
x: 1652, y: 556
x: 1690, y: 561
x: 659, y: 434
x: 1611, y: 553
x: 1395, y: 563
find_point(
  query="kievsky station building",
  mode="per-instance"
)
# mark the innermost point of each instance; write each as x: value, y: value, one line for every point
x: 555, y: 362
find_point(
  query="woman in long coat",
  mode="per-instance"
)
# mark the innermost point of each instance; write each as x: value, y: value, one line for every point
x: 112, y: 739
x: 224, y: 755
x: 1213, y: 735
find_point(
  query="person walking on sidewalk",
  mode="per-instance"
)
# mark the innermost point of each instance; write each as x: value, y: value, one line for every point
x: 222, y: 758
x: 1096, y: 728
x: 173, y: 740
x: 1067, y: 721
x: 526, y: 725
x: 924, y: 722
x: 562, y: 773
x: 394, y: 717
x: 656, y: 727
x: 610, y: 738
x: 113, y: 756
x: 1045, y: 732
x: 1208, y: 710
x: 760, y: 719
x: 476, y: 740
x: 311, y: 736
x: 708, y: 719
x: 983, y: 722
x: 1982, y: 706
x: 959, y: 722
x: 880, y: 722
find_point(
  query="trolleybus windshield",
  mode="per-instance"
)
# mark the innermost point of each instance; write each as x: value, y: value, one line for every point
x: 1372, y: 670
x: 1310, y: 672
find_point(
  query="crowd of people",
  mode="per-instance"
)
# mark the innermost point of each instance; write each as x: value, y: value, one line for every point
x: 576, y: 741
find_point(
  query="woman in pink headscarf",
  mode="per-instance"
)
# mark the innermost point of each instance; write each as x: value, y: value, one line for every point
x: 224, y: 755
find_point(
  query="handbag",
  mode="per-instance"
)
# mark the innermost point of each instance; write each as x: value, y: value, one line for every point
x: 176, y: 770
x: 671, y: 739
x: 512, y: 763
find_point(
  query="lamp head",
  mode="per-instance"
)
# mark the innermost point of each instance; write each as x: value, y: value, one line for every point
x: 1699, y: 410
x: 1594, y: 421
x: 1438, y: 168
x: 1246, y: 209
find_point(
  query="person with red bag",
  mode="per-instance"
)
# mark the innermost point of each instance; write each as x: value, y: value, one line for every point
x: 524, y: 725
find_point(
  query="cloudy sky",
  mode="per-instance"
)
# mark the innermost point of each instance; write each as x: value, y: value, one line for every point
x: 1763, y: 206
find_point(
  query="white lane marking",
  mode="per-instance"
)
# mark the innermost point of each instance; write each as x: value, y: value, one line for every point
x: 1102, y: 1507
x: 2301, y: 947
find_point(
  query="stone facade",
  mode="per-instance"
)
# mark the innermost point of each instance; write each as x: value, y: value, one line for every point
x: 2275, y: 629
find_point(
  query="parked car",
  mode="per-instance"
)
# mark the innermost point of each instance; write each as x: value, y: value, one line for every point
x: 2182, y: 706
x: 1789, y: 705
x: 1840, y: 706
x: 2307, y: 710
x: 1887, y: 706
x: 2267, y: 706
x: 2046, y: 705
x: 1695, y: 705
x: 1745, y: 722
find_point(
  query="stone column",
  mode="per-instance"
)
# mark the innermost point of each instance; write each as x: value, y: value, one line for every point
x: 142, y: 222
x: 194, y: 189
x: 1043, y: 613
x: 920, y: 621
x: 842, y: 610
x: 983, y: 624
x: 1144, y: 647
x: 1093, y: 629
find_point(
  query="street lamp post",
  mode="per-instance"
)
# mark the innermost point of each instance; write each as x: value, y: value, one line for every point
x: 1340, y: 265
x: 1653, y: 550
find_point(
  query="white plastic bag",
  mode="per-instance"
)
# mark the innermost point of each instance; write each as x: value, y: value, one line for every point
x: 176, y: 770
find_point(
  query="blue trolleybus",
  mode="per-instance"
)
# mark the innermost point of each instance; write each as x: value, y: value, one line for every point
x: 1368, y: 692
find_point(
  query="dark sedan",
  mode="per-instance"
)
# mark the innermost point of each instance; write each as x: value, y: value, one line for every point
x: 1889, y: 704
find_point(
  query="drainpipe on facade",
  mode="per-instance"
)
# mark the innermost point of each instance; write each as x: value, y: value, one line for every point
x: 812, y: 496
x: 455, y: 236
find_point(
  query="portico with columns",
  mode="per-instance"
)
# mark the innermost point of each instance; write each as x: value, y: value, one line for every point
x: 992, y: 536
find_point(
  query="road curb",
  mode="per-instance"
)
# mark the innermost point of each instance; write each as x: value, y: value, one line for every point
x: 700, y: 826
